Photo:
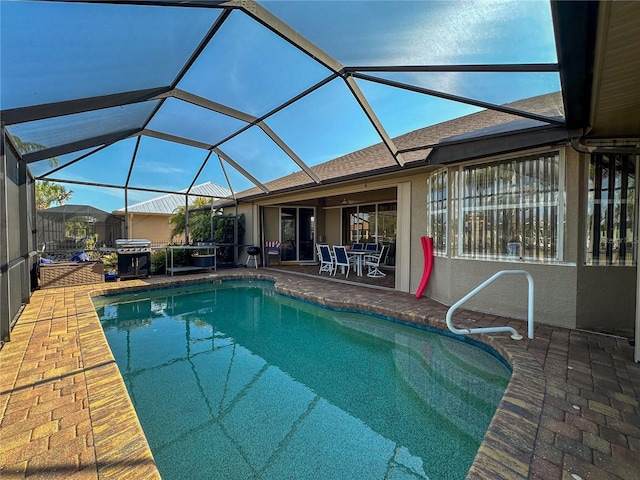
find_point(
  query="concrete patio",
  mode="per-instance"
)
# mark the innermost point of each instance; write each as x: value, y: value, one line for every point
x: 570, y: 411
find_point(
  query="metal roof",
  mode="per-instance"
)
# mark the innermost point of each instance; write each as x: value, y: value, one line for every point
x: 167, y: 204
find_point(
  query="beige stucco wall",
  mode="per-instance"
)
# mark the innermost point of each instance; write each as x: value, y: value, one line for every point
x: 555, y: 285
x: 320, y: 219
x: 567, y: 293
x: 271, y: 224
x: 403, y: 252
x: 154, y: 227
x: 332, y: 226
x: 554, y: 289
x: 605, y: 297
x: 251, y: 224
x: 415, y: 262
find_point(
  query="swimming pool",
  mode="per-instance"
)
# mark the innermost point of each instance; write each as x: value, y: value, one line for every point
x: 232, y: 380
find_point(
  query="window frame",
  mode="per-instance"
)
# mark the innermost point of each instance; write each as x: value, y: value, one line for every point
x: 440, y: 245
x: 594, y: 196
x: 552, y: 200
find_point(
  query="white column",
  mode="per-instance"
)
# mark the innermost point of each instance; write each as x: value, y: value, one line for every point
x: 403, y: 238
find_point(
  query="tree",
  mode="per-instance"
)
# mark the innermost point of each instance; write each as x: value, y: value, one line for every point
x: 224, y: 228
x: 224, y: 231
x: 199, y: 220
x: 30, y: 147
x: 48, y: 193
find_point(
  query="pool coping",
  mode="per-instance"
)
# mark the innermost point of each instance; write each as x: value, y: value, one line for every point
x: 113, y: 443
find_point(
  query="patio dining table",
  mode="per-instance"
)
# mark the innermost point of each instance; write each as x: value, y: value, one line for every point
x: 358, y: 255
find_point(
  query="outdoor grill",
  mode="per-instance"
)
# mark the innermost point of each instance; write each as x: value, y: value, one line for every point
x: 134, y: 257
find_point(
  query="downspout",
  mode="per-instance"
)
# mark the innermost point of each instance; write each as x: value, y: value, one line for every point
x: 579, y: 147
x: 606, y: 146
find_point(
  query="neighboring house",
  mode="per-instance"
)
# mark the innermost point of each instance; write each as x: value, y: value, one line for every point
x: 150, y: 219
x: 495, y: 192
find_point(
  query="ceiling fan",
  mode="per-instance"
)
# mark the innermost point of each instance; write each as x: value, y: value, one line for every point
x: 345, y: 201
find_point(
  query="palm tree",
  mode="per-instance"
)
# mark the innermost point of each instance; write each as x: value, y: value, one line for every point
x: 47, y: 193
x: 30, y: 147
x: 199, y: 221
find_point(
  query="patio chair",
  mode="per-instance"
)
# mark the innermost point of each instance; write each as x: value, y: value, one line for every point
x: 371, y: 247
x: 326, y: 261
x: 357, y: 246
x: 372, y: 262
x: 341, y: 259
x: 272, y: 250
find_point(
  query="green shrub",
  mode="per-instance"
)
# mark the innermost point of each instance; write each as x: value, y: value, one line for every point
x: 110, y: 261
x: 158, y: 258
x: 223, y: 232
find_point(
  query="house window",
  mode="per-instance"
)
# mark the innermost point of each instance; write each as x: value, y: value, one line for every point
x: 437, y: 208
x: 512, y: 209
x: 610, y: 210
x: 372, y: 223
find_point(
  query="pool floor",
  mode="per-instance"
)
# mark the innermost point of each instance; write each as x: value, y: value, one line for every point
x: 235, y: 381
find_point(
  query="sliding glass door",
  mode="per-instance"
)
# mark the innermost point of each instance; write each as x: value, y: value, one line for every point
x: 297, y: 231
x: 306, y: 233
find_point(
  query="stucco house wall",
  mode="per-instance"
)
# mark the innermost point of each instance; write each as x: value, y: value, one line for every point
x: 154, y: 227
x: 332, y: 226
x: 567, y: 293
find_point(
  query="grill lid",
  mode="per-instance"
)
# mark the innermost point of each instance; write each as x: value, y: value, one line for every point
x: 133, y: 245
x: 133, y: 242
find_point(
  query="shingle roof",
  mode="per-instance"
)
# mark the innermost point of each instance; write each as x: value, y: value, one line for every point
x: 167, y: 204
x: 421, y: 142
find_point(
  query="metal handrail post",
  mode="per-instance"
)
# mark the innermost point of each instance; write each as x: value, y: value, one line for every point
x: 514, y: 334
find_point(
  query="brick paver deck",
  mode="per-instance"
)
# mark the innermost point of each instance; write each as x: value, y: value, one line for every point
x: 570, y: 411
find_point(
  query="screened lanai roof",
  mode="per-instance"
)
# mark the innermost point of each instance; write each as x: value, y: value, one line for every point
x: 159, y: 96
x: 168, y: 204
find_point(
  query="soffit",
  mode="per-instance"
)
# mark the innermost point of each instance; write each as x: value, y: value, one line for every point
x: 616, y: 88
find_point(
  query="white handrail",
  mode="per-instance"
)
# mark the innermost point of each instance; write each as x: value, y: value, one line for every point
x: 514, y: 334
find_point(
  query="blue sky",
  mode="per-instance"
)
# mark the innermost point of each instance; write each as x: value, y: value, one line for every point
x: 60, y: 51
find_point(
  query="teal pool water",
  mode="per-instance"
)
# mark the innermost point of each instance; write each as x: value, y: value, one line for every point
x: 234, y: 381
